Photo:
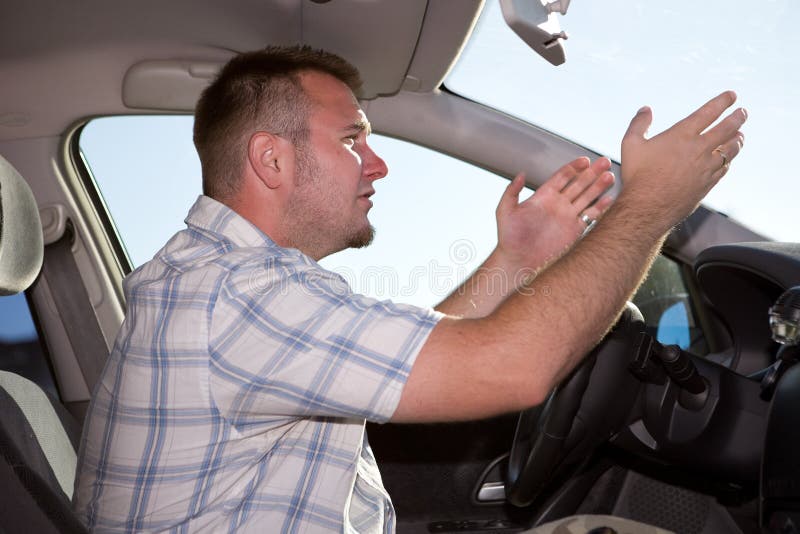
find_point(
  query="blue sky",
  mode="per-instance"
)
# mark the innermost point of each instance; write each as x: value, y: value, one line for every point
x: 621, y: 54
x: 673, y: 56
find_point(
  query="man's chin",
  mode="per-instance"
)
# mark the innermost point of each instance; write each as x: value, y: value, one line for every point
x: 362, y: 239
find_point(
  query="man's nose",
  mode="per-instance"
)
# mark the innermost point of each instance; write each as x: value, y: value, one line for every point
x: 373, y: 167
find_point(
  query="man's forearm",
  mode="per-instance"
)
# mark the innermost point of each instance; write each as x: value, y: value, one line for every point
x: 532, y: 233
x: 510, y: 359
x: 580, y: 298
x: 490, y: 284
x: 539, y: 333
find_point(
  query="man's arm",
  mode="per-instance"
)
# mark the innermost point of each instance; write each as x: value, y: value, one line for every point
x: 533, y: 233
x: 509, y: 360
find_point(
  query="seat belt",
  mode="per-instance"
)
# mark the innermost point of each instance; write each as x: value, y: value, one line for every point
x: 74, y: 307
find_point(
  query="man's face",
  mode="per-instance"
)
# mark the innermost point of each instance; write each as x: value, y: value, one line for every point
x: 335, y: 172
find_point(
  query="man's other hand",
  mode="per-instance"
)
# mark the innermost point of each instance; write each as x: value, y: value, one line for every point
x: 541, y: 228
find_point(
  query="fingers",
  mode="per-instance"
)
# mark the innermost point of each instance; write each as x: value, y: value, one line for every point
x: 598, y: 209
x: 565, y: 174
x: 729, y: 150
x: 637, y: 130
x: 580, y: 182
x: 709, y: 112
x: 510, y: 196
x: 595, y: 189
x: 583, y: 181
x: 726, y: 129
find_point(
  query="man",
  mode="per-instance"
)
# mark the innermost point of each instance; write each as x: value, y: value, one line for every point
x: 237, y: 392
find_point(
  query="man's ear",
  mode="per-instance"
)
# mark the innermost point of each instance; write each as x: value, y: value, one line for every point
x: 268, y: 157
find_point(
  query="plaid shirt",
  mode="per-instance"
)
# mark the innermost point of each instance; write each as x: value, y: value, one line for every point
x: 237, y: 391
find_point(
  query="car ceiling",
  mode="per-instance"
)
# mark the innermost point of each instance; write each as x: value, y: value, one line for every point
x: 62, y: 62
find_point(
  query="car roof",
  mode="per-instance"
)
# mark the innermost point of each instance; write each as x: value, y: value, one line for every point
x: 62, y: 63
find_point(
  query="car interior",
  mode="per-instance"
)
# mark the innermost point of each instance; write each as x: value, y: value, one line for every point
x: 696, y: 438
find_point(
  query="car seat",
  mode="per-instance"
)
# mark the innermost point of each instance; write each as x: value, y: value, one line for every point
x: 38, y: 437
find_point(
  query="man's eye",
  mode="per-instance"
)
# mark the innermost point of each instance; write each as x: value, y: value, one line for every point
x: 350, y: 140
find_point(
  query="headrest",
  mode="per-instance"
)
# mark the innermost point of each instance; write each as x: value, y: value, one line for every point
x: 21, y: 241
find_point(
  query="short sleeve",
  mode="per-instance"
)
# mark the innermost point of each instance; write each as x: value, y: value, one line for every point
x: 288, y: 341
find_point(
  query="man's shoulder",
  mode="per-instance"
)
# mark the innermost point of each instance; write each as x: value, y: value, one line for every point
x: 271, y: 270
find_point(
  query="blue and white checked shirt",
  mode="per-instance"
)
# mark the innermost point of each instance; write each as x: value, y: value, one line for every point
x: 237, y: 391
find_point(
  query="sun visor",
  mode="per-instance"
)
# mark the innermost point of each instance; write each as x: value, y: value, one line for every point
x: 171, y: 85
x: 378, y: 37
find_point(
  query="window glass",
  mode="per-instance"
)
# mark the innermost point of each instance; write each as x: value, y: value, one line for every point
x: 433, y: 214
x: 148, y: 173
x: 435, y: 223
x: 665, y: 302
x: 20, y: 348
x: 623, y: 54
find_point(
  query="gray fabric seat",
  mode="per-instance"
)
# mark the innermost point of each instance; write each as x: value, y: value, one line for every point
x: 38, y: 437
x: 21, y: 241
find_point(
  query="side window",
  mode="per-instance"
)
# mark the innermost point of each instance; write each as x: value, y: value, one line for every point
x: 21, y: 351
x: 666, y: 304
x: 434, y: 217
x: 433, y: 214
x: 148, y: 174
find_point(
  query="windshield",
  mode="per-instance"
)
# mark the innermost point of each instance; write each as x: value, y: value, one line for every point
x: 623, y: 54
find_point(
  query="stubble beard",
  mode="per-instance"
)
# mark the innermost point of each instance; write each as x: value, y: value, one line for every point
x: 310, y: 222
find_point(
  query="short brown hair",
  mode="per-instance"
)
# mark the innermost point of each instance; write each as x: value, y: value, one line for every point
x: 254, y: 91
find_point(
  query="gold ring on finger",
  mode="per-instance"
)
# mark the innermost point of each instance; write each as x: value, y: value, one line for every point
x: 725, y: 162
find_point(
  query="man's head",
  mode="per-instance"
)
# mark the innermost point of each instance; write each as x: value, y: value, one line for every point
x: 282, y: 140
x: 257, y: 91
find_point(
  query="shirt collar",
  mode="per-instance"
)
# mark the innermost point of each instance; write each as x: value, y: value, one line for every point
x: 213, y: 216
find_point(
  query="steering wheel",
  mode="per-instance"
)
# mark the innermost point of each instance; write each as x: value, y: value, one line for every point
x: 583, y: 411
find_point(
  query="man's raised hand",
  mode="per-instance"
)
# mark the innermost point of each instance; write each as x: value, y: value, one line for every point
x: 668, y: 175
x: 541, y: 228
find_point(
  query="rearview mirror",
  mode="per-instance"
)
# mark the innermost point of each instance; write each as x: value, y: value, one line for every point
x: 536, y: 24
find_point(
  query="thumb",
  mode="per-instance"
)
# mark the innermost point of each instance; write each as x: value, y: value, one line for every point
x: 639, y: 125
x: 510, y: 196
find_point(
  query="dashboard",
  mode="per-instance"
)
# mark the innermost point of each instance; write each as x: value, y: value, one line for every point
x: 740, y: 282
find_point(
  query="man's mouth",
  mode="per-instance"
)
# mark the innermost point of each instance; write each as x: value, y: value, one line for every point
x: 366, y: 196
